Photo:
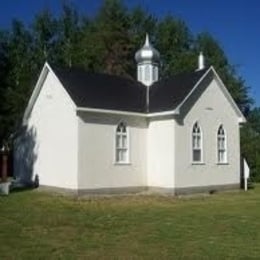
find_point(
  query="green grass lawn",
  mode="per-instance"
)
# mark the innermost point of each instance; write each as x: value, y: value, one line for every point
x: 38, y: 225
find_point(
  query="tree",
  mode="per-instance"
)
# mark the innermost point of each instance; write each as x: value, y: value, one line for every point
x: 69, y: 37
x: 254, y: 119
x: 44, y: 38
x: 140, y: 23
x: 215, y: 56
x: 112, y: 32
x: 19, y: 76
x: 250, y: 142
x: 174, y: 41
x: 3, y: 80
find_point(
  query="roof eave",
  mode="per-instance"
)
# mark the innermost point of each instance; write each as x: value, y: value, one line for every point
x: 241, y: 118
x: 128, y: 113
x: 44, y: 72
x: 193, y: 89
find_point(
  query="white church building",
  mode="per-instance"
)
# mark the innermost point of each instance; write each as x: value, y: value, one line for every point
x: 97, y: 133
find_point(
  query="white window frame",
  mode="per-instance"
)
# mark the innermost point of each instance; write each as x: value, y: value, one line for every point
x: 195, y: 135
x: 221, y: 151
x: 121, y: 147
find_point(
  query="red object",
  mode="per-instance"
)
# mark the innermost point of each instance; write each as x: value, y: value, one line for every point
x: 4, y: 167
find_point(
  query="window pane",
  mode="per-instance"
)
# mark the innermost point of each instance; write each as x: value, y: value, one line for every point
x: 196, y: 155
x: 222, y: 143
x: 123, y: 155
x: 198, y: 141
x: 147, y: 73
x: 220, y: 156
x: 118, y: 141
x: 118, y: 155
x: 218, y: 143
x: 124, y: 141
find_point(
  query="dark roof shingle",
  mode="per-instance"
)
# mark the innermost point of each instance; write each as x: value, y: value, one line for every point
x: 168, y: 93
x: 103, y: 91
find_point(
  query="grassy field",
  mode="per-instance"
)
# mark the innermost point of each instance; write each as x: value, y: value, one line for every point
x: 37, y: 225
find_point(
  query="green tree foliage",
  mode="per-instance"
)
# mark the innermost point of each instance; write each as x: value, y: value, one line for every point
x: 4, y: 64
x: 250, y: 142
x: 174, y: 40
x: 19, y: 78
x: 44, y: 35
x: 215, y: 56
x: 106, y: 42
x: 69, y: 37
x: 112, y: 23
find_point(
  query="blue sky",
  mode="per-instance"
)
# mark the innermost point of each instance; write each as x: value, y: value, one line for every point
x: 234, y: 23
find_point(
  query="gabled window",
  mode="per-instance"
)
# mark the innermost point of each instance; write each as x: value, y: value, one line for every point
x: 122, y: 144
x: 196, y: 143
x: 222, y: 145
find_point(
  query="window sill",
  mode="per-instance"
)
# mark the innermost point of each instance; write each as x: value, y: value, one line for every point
x: 122, y: 163
x: 198, y: 163
x: 222, y: 163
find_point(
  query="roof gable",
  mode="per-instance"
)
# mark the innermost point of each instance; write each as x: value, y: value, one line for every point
x: 46, y: 70
x: 110, y: 93
x: 36, y: 91
x: 226, y: 93
x: 206, y: 73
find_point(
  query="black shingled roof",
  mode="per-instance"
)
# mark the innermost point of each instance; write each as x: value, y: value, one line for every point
x: 103, y: 91
x: 167, y: 94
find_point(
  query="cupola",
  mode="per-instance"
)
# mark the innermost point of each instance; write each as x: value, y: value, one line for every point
x: 148, y: 59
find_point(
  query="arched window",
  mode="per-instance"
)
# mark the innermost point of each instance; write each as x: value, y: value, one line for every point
x: 122, y: 143
x: 196, y: 143
x: 222, y: 145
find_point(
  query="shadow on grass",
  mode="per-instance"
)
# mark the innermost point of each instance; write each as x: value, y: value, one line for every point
x: 17, y: 186
x: 21, y: 189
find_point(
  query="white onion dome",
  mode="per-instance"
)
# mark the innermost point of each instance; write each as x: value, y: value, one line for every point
x: 147, y: 53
